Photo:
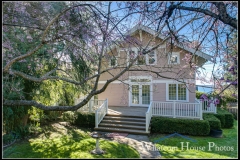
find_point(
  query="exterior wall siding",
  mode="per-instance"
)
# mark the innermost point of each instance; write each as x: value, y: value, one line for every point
x: 162, y: 61
x: 192, y: 94
x: 117, y: 94
x: 159, y: 92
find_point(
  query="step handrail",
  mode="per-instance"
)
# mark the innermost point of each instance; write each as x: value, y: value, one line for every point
x: 148, y: 116
x: 101, y: 112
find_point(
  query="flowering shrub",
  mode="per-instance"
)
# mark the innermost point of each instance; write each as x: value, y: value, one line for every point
x: 205, y: 97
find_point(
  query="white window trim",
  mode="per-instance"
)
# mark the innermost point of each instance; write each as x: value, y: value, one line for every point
x: 140, y: 85
x: 167, y: 92
x: 140, y: 77
x: 173, y: 54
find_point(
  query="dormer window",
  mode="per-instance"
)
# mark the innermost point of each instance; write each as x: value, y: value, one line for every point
x: 174, y: 58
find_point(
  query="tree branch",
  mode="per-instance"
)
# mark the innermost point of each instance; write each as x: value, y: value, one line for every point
x: 6, y: 24
x: 223, y: 16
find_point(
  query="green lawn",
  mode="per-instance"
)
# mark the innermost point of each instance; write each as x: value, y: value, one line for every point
x: 67, y: 143
x: 205, y: 147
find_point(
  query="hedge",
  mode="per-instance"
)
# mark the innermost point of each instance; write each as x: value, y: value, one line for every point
x: 80, y: 119
x: 213, y: 121
x: 85, y: 120
x: 225, y: 117
x: 221, y: 117
x: 182, y: 126
x: 198, y: 94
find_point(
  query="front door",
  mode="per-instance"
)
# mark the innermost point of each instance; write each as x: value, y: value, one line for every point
x: 140, y: 95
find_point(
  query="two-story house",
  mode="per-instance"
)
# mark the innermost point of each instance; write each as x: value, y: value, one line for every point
x: 160, y: 75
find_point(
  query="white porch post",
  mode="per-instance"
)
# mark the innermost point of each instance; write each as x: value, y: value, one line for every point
x: 107, y: 106
x: 90, y: 105
x: 200, y: 110
x: 174, y: 109
x: 147, y: 116
x: 96, y: 119
x: 214, y: 106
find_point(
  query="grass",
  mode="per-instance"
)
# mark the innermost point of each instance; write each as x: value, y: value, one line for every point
x: 67, y: 142
x: 204, y: 147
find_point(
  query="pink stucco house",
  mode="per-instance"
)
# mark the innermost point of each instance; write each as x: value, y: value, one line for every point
x: 139, y: 87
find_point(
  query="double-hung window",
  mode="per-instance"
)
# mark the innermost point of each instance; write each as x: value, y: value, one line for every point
x: 152, y: 58
x: 113, y: 61
x: 177, y: 92
x: 147, y: 59
x: 141, y: 59
x: 132, y: 55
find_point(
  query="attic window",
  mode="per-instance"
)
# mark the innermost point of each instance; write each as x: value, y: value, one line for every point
x: 174, y: 58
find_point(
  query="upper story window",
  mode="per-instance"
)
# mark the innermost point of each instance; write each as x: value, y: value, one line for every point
x: 113, y: 62
x: 141, y: 59
x: 132, y: 55
x: 148, y: 59
x: 152, y: 58
x: 174, y: 58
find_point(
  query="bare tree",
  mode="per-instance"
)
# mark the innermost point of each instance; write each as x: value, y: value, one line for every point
x: 91, y: 32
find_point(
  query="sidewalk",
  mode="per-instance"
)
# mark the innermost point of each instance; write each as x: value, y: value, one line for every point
x: 140, y: 142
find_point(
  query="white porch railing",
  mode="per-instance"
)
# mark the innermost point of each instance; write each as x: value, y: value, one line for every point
x: 177, y: 109
x: 208, y: 108
x: 148, y: 116
x: 91, y: 106
x: 101, y: 112
x: 173, y: 109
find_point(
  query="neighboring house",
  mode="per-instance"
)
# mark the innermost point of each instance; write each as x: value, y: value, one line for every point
x: 138, y: 87
x: 204, y: 88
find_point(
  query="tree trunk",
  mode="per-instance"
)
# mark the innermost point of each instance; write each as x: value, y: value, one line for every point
x: 25, y: 119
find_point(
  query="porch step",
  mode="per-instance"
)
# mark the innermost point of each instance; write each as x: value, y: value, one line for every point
x: 131, y: 131
x: 122, y: 126
x: 123, y: 123
x: 123, y: 118
x: 120, y: 115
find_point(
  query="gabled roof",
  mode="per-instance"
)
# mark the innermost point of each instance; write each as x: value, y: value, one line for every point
x: 150, y: 31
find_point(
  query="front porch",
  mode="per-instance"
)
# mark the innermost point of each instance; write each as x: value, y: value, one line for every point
x: 127, y: 111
